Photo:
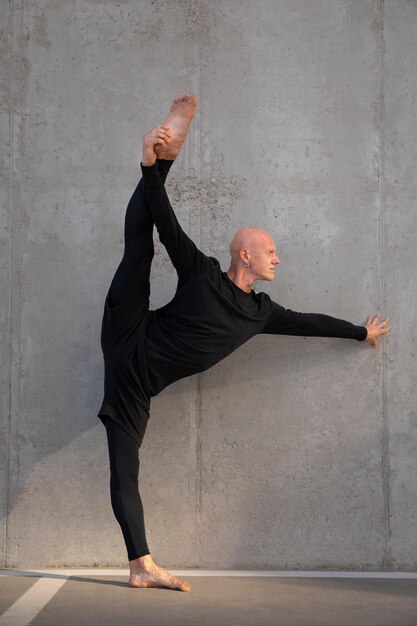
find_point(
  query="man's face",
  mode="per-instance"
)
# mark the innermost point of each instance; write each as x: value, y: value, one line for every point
x: 263, y: 258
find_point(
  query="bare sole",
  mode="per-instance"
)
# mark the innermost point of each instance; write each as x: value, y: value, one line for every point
x: 178, y: 120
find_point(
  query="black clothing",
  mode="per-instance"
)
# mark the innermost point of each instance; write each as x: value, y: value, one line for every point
x: 207, y: 319
x: 144, y: 351
x: 125, y: 498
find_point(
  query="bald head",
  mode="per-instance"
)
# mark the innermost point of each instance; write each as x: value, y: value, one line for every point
x: 253, y: 257
x: 249, y: 239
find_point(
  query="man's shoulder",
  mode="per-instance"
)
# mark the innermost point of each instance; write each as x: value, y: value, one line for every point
x: 265, y: 302
x: 211, y: 265
x: 262, y: 296
x: 215, y: 262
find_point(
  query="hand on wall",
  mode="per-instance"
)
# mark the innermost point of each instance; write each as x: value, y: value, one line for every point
x: 376, y: 328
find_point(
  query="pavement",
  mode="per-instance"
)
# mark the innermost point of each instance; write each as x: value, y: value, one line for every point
x: 86, y: 597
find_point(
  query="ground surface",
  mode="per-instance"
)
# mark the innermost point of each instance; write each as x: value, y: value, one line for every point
x: 105, y: 598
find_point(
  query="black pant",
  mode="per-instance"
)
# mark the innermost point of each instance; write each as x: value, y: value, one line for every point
x: 124, y: 490
x: 130, y: 280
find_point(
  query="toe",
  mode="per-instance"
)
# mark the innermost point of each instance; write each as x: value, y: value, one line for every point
x: 184, y: 586
x: 176, y: 583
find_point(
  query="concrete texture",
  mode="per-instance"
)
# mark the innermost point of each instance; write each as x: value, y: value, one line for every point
x: 292, y: 452
x: 84, y: 600
x: 399, y: 281
x: 5, y: 246
x: 12, y: 588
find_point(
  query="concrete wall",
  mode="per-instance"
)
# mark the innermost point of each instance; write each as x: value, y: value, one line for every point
x: 293, y: 452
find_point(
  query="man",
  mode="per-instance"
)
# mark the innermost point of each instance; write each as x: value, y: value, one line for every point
x: 212, y: 313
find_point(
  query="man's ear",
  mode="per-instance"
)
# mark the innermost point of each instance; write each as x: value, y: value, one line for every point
x: 244, y: 255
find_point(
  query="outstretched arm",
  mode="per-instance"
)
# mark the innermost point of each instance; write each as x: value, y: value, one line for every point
x: 286, y: 322
x: 184, y: 254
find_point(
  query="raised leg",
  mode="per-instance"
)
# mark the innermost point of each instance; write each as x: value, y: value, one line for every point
x: 164, y: 165
x: 132, y: 276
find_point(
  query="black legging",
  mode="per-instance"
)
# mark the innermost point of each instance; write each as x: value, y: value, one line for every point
x: 132, y: 276
x: 130, y: 280
x: 124, y: 490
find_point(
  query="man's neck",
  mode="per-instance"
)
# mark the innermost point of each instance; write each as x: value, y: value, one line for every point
x: 240, y: 280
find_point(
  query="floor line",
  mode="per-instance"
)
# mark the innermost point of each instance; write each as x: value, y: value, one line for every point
x: 25, y: 609
x: 64, y: 574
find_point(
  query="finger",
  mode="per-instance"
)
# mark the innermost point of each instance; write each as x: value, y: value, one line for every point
x: 159, y: 131
x: 383, y: 331
x: 164, y: 137
x: 368, y: 321
x: 158, y: 134
x: 384, y: 322
x: 164, y: 130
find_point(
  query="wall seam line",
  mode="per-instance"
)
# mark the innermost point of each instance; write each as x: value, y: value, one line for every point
x: 199, y: 396
x: 10, y: 302
x: 387, y: 560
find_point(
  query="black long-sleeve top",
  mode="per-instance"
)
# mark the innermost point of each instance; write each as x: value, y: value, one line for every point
x: 210, y: 316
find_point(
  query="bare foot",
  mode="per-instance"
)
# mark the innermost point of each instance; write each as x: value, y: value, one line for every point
x: 178, y: 121
x: 144, y: 572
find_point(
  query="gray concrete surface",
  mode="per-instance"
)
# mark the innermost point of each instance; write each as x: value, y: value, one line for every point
x: 12, y: 588
x: 400, y: 283
x: 5, y: 243
x: 230, y: 601
x: 293, y: 452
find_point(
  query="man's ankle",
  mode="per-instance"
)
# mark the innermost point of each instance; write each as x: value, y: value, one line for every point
x: 145, y: 561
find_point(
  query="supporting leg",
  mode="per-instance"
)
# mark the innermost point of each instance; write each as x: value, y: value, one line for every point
x: 128, y: 510
x: 125, y: 498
